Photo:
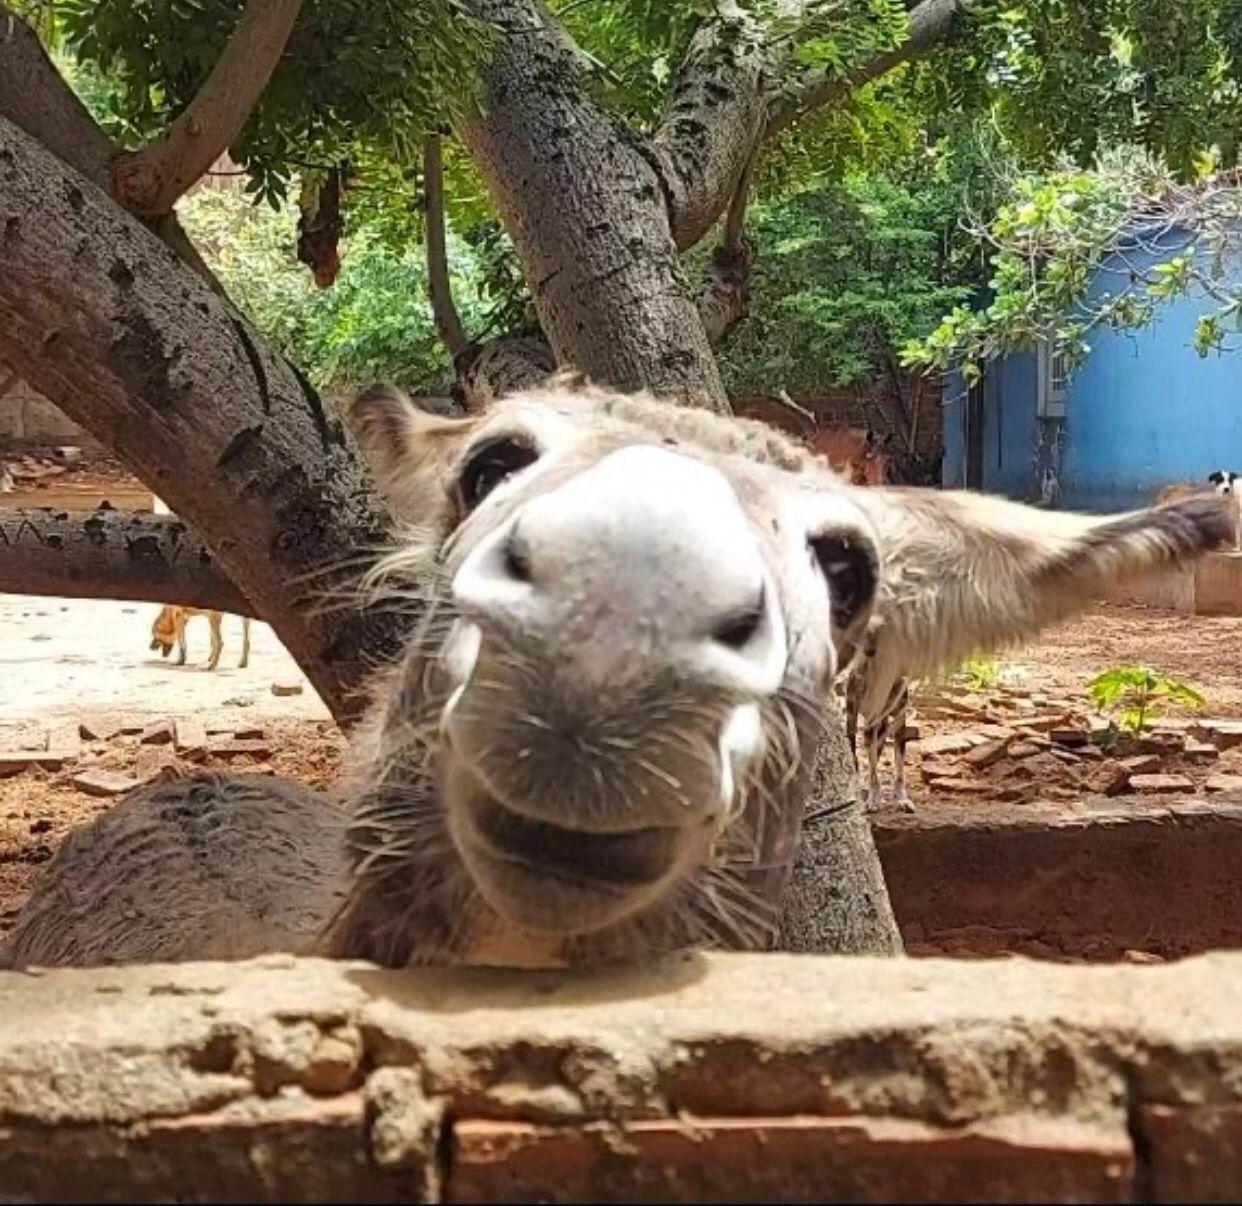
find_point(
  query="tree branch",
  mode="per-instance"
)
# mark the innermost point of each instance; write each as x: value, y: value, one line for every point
x: 104, y: 320
x: 439, y: 287
x: 929, y: 24
x: 724, y: 300
x: 148, y: 182
x: 36, y: 98
x: 110, y: 554
x: 713, y: 122
x: 726, y: 103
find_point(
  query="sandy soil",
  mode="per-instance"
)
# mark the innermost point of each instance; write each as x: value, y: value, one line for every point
x: 66, y: 657
x: 1204, y: 651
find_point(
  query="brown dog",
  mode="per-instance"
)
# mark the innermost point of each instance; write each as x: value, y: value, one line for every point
x: 169, y: 627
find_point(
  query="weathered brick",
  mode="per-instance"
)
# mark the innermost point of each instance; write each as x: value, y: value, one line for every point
x: 1193, y: 1154
x: 800, y: 1159
x: 947, y: 743
x: 191, y: 737
x: 14, y: 762
x: 1161, y: 783
x: 103, y: 782
x: 160, y: 732
x: 278, y: 1151
x: 986, y: 754
x: 65, y: 740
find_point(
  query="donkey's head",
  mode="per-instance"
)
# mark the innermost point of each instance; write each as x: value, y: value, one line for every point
x: 599, y: 739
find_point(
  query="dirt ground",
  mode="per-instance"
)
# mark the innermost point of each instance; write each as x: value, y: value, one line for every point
x: 86, y: 665
x: 1203, y: 651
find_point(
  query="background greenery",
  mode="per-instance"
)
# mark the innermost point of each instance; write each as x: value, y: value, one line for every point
x: 996, y: 172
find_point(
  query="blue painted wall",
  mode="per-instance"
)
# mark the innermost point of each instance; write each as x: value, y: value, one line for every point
x: 1143, y: 411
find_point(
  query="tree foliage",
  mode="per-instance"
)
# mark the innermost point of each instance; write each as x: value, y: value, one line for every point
x: 374, y: 323
x: 1072, y: 250
x: 855, y: 226
x: 851, y: 270
x: 358, y: 77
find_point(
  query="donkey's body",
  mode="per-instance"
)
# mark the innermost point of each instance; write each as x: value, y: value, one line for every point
x: 598, y: 740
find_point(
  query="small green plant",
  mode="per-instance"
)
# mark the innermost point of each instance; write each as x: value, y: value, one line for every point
x: 1134, y: 695
x: 980, y: 674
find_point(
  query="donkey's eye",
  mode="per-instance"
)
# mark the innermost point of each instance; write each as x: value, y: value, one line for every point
x: 849, y: 563
x: 490, y: 464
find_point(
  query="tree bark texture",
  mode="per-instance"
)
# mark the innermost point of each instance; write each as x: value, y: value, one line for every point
x: 103, y: 319
x: 149, y: 181
x: 35, y: 97
x: 586, y: 211
x: 836, y: 901
x: 714, y: 121
x: 109, y: 554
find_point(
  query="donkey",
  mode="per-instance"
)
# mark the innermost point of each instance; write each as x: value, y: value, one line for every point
x: 598, y: 740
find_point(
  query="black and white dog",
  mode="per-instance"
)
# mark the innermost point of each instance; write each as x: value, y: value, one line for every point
x: 1229, y: 485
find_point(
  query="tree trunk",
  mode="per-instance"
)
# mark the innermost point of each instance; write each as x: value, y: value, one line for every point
x: 108, y: 554
x: 836, y: 901
x: 106, y: 321
x: 586, y: 211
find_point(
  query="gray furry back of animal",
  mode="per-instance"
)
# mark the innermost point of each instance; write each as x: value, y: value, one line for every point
x: 209, y: 867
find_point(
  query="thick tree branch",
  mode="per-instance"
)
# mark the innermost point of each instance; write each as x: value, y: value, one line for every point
x: 149, y: 181
x: 492, y: 368
x: 727, y: 102
x: 929, y: 24
x: 36, y: 98
x: 713, y: 122
x: 439, y: 287
x: 103, y: 319
x: 587, y: 214
x: 111, y: 555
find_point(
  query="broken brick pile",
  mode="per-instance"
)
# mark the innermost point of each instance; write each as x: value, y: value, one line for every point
x: 1010, y: 745
x: 107, y: 757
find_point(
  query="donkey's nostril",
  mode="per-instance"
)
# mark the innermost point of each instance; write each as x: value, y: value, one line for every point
x: 740, y: 628
x: 516, y: 558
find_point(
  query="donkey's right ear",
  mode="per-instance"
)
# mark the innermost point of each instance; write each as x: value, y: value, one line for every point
x: 409, y: 446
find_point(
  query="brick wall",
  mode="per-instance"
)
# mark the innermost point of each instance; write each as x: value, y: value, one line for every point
x: 846, y: 410
x: 739, y: 1078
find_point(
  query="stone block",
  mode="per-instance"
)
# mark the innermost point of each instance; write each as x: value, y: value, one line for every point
x: 1218, y: 585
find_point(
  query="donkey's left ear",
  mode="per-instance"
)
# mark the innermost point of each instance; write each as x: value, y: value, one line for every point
x: 409, y: 447
x: 965, y: 573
